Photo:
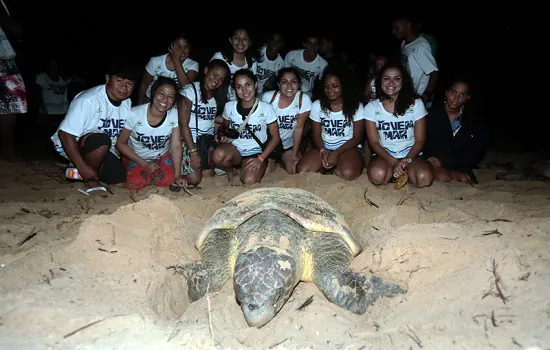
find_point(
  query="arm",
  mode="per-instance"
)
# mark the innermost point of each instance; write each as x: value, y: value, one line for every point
x: 275, y: 139
x: 126, y: 150
x: 70, y: 145
x: 428, y: 93
x: 374, y: 142
x: 176, y: 152
x: 184, y: 116
x: 146, y: 80
x: 358, y: 128
x: 298, y: 133
x: 316, y: 131
x: 419, y: 138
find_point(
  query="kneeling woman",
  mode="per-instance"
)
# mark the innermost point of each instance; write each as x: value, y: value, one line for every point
x: 337, y: 127
x: 396, y: 130
x: 150, y: 140
x: 202, y: 103
x: 251, y: 118
x: 292, y: 107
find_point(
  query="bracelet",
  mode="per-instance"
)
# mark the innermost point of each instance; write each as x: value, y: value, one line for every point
x: 193, y: 150
x: 322, y: 150
x: 260, y: 158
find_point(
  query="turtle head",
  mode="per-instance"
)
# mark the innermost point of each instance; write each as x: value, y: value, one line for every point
x: 264, y: 279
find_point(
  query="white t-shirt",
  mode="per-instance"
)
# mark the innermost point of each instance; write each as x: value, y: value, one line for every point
x: 420, y: 62
x: 233, y: 69
x: 336, y: 129
x: 258, y: 122
x: 309, y: 71
x: 207, y: 111
x: 267, y: 68
x: 54, y: 93
x: 150, y: 142
x: 288, y: 117
x: 396, y: 133
x: 157, y: 67
x: 92, y: 112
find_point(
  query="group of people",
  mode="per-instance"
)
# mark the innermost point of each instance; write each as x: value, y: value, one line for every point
x: 252, y: 113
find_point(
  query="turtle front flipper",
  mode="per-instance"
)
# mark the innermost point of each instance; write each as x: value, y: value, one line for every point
x: 210, y: 274
x: 351, y: 290
x: 341, y: 285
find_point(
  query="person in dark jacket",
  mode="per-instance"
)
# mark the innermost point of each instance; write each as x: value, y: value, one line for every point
x: 457, y: 139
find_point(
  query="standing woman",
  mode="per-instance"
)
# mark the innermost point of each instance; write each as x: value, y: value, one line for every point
x: 175, y: 64
x: 150, y: 140
x: 202, y: 103
x: 292, y: 107
x: 238, y: 55
x: 396, y: 130
x: 251, y: 119
x: 337, y: 127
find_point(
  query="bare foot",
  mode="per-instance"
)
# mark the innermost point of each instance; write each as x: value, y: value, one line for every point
x: 230, y: 175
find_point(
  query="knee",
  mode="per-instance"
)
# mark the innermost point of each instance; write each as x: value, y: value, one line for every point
x: 348, y: 174
x: 194, y: 179
x: 250, y: 179
x: 423, y: 178
x: 220, y: 158
x: 443, y: 176
x: 377, y: 175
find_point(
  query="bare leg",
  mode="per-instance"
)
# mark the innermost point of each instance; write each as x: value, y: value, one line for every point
x: 225, y: 157
x: 420, y: 173
x: 379, y: 171
x: 349, y: 165
x: 287, y: 162
x: 249, y: 177
x: 310, y: 162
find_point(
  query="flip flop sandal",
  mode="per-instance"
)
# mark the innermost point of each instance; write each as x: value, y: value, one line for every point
x: 401, y: 181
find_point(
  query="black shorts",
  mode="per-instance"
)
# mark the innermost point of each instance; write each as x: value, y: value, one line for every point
x: 112, y: 171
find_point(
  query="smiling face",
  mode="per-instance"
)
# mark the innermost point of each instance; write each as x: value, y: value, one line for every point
x: 288, y: 85
x: 164, y: 98
x: 240, y: 41
x: 214, y: 77
x: 245, y: 88
x: 392, y: 82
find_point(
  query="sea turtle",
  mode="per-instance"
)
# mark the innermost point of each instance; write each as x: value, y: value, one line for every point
x: 270, y: 239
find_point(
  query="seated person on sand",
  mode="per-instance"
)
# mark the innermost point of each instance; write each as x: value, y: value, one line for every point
x: 88, y: 133
x: 396, y: 130
x: 456, y: 137
x: 252, y: 119
x: 150, y: 140
x: 337, y: 127
x: 292, y: 107
x: 201, y: 105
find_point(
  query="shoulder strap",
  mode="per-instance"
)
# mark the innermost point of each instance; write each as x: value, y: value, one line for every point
x: 300, y: 103
x: 196, y: 108
x: 274, y: 96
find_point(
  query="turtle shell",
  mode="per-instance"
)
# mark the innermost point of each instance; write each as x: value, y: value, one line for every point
x: 310, y: 211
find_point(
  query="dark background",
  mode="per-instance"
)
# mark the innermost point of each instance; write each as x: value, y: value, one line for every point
x: 504, y: 48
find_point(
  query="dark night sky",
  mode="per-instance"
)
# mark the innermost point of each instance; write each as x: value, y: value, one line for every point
x: 497, y: 46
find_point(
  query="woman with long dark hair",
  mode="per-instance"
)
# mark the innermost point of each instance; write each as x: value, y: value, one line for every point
x: 396, y: 130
